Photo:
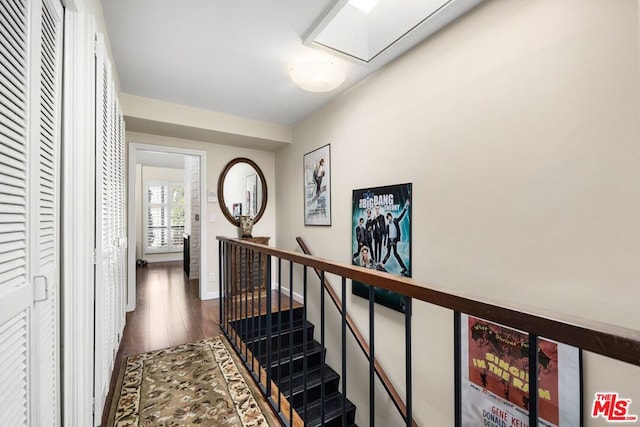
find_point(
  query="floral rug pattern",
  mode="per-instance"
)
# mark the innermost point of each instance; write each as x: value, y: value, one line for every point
x: 192, y: 384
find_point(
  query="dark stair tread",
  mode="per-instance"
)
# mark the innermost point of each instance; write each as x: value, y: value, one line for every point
x: 255, y: 336
x: 333, y: 410
x: 255, y: 322
x: 298, y: 315
x: 283, y: 356
x: 314, y: 378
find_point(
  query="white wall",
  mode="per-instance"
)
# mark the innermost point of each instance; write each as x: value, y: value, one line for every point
x: 518, y: 127
x: 217, y: 225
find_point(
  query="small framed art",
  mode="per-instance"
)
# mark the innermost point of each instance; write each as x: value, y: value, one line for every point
x: 317, y: 186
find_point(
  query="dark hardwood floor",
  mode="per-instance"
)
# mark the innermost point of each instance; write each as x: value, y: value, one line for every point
x: 168, y: 312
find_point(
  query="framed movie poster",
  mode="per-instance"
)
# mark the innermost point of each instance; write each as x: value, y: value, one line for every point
x: 381, y: 237
x: 494, y: 383
x: 317, y: 186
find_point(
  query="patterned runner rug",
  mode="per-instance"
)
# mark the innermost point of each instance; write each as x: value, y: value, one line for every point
x: 195, y: 384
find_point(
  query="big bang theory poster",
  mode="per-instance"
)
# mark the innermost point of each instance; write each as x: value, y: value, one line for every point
x: 381, y: 237
x: 495, y: 378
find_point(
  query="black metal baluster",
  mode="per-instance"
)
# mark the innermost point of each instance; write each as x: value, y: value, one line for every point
x: 269, y: 325
x: 243, y: 326
x: 255, y: 335
x: 344, y: 352
x: 533, y: 380
x: 259, y: 349
x: 220, y: 294
x: 304, y: 340
x: 279, y: 329
x: 233, y: 300
x: 228, y: 279
x: 245, y: 319
x: 457, y: 368
x: 372, y: 357
x: 409, y: 392
x: 291, y: 342
x: 322, y: 391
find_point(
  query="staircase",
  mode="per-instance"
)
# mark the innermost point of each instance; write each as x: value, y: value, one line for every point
x: 287, y: 344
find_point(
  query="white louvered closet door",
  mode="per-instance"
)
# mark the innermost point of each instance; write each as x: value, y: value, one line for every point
x: 30, y: 58
x: 46, y: 222
x: 110, y: 227
x: 15, y: 287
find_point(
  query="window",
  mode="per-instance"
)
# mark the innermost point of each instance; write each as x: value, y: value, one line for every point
x: 165, y: 210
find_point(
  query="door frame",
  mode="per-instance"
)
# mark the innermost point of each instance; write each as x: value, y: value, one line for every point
x: 133, y: 150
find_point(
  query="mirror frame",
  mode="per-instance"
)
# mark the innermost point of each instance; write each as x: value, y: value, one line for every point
x: 223, y: 175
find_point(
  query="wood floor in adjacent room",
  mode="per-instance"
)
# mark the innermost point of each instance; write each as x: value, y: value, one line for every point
x: 168, y: 313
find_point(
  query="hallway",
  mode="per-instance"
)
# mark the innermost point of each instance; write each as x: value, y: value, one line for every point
x: 168, y: 312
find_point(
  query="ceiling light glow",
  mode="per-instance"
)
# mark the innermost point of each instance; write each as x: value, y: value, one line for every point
x: 317, y: 75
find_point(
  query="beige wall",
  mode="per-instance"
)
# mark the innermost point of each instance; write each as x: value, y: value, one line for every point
x: 217, y: 157
x: 518, y: 127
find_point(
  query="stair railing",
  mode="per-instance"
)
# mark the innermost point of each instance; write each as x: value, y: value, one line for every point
x: 618, y: 343
x: 362, y: 343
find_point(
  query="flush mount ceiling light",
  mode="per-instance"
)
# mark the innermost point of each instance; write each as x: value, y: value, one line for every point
x: 364, y: 30
x: 317, y: 75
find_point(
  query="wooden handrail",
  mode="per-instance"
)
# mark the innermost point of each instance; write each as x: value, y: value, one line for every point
x: 608, y: 340
x: 364, y: 346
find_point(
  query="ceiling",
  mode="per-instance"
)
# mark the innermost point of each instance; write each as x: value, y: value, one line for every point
x: 230, y: 57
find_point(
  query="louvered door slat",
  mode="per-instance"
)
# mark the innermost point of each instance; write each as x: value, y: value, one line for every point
x: 12, y: 125
x: 14, y: 209
x: 12, y: 218
x: 13, y: 29
x: 11, y: 166
x: 10, y: 144
x: 9, y: 50
x: 12, y: 72
x: 14, y: 358
x: 17, y: 7
x: 14, y: 286
x: 9, y: 101
x: 12, y: 256
x: 15, y: 11
x: 12, y: 244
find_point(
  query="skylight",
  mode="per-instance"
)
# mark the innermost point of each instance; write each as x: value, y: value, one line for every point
x: 365, y: 6
x: 364, y: 29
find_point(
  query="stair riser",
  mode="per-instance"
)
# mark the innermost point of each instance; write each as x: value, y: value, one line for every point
x: 283, y: 342
x: 298, y: 364
x: 337, y: 422
x: 313, y: 393
x: 284, y: 316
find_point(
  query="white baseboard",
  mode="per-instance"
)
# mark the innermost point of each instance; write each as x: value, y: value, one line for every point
x: 211, y: 295
x: 151, y: 258
x: 296, y: 296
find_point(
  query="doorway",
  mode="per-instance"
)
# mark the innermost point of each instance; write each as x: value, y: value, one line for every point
x: 150, y: 246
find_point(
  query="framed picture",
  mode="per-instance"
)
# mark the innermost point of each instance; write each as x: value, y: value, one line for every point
x: 252, y: 191
x: 493, y: 378
x: 317, y: 186
x: 381, y: 237
x: 237, y: 209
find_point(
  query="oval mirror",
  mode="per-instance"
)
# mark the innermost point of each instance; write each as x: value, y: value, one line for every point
x: 242, y: 190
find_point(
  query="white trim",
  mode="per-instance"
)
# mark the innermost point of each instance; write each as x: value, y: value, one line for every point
x: 164, y: 257
x: 134, y: 148
x: 285, y: 291
x: 78, y: 218
x: 211, y: 295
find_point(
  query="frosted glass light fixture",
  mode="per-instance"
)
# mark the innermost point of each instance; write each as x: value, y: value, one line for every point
x: 317, y: 75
